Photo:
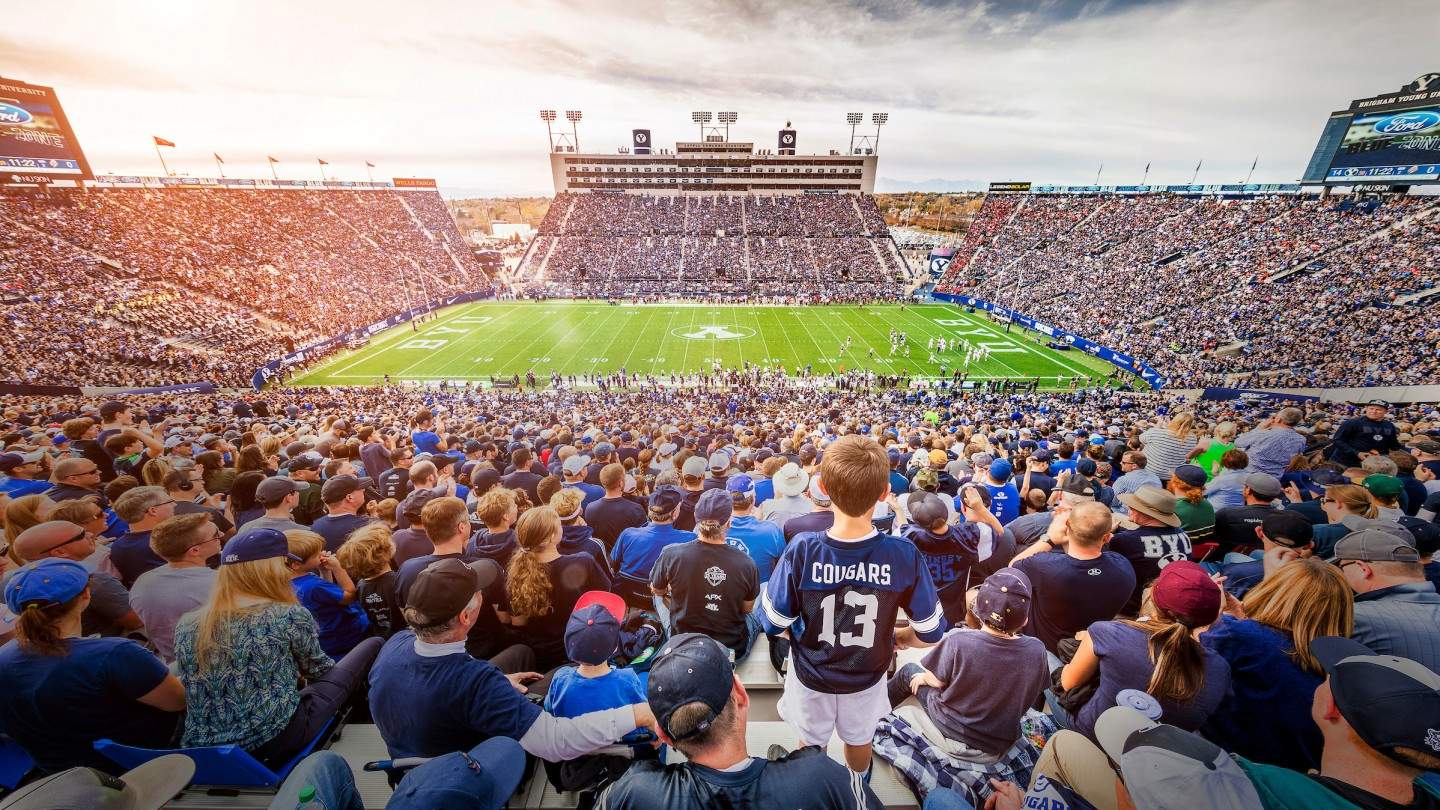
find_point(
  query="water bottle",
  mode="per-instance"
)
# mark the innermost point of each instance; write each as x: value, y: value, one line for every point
x: 308, y: 800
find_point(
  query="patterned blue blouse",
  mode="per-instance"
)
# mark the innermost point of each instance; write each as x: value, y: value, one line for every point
x: 250, y: 698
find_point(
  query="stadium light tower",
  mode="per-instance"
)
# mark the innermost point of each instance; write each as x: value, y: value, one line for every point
x: 701, y: 118
x: 854, y: 120
x: 878, y: 119
x: 728, y: 118
x: 573, y: 116
x: 548, y: 116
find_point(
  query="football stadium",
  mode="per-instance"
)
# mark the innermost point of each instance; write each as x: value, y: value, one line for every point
x: 719, y: 475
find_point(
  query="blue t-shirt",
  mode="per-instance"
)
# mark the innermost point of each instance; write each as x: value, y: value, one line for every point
x: 336, y: 529
x: 1004, y: 502
x: 761, y: 539
x: 56, y: 707
x: 1060, y: 465
x: 467, y: 701
x: 20, y: 487
x: 572, y: 695
x: 636, y: 550
x: 1266, y: 717
x: 426, y: 442
x: 839, y: 600
x: 764, y: 490
x: 132, y: 555
x: 341, y: 626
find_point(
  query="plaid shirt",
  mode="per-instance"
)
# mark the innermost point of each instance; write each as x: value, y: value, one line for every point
x: 927, y: 767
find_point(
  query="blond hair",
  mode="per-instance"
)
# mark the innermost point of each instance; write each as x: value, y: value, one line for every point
x: 566, y: 503
x: 529, y: 580
x: 304, y: 544
x: 1307, y: 598
x: 368, y: 551
x: 267, y: 579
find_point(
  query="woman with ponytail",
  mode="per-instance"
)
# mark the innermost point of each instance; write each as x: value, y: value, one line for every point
x: 1160, y: 655
x: 63, y: 691
x: 1343, y: 504
x: 544, y: 585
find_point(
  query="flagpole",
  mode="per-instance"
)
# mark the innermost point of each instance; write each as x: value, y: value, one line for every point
x: 1252, y: 168
x: 1197, y: 171
x: 163, y: 167
x: 218, y: 166
x: 322, y: 169
x: 273, y: 175
x: 367, y: 172
x: 1097, y: 173
x: 1147, y: 174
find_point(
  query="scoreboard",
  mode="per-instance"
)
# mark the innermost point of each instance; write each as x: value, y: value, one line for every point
x: 36, y: 142
x: 1388, y: 139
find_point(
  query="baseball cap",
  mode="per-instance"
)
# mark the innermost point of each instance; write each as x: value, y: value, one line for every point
x: 666, y: 449
x: 1382, y: 403
x: 690, y: 668
x: 1263, y: 484
x: 473, y: 446
x: 1391, y: 702
x: 484, y: 478
x: 1000, y: 470
x: 147, y: 787
x: 1166, y: 768
x: 740, y: 486
x: 925, y: 478
x: 278, y: 486
x: 937, y: 457
x: 1377, y: 544
x: 714, y: 504
x: 1383, y: 486
x: 720, y: 462
x: 256, y: 544
x: 1429, y: 446
x: 575, y: 464
x: 1192, y: 474
x: 304, y: 461
x: 1078, y: 485
x: 46, y: 582
x: 1289, y: 529
x: 604, y: 449
x: 1003, y: 601
x: 592, y: 633
x: 175, y: 441
x: 926, y: 509
x: 445, y: 587
x: 10, y: 461
x: 666, y: 499
x: 342, y: 485
x: 1086, y: 467
x: 1185, y: 589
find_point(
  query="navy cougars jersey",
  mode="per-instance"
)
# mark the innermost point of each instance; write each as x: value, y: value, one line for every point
x: 839, y: 600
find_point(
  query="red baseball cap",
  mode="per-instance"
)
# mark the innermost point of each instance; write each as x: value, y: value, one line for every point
x: 613, y: 603
x: 1185, y: 589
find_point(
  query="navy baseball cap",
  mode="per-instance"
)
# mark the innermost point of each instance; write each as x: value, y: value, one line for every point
x: 666, y: 499
x: 690, y: 668
x: 1391, y: 702
x: 714, y: 504
x: 45, y: 583
x: 592, y: 633
x: 256, y: 544
x: 1003, y: 601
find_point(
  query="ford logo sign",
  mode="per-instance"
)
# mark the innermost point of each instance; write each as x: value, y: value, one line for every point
x: 10, y: 114
x: 1407, y: 123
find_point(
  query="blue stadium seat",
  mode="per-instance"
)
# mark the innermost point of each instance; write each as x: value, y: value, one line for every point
x: 218, y: 765
x: 14, y: 763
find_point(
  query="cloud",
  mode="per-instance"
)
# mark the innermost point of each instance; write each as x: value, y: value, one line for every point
x: 49, y: 64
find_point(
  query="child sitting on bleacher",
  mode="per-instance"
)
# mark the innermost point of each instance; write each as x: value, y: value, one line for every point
x: 592, y: 637
x: 341, y: 622
x: 367, y: 557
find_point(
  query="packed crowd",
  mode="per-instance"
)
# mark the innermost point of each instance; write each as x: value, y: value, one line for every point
x: 1241, y: 592
x: 624, y: 244
x: 1297, y: 291
x: 185, y: 284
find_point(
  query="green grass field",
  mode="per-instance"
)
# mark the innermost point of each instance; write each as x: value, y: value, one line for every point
x: 473, y: 341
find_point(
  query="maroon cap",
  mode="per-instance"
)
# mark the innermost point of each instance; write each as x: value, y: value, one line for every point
x: 1184, y: 589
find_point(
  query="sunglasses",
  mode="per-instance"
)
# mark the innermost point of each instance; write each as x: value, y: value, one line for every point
x: 79, y: 533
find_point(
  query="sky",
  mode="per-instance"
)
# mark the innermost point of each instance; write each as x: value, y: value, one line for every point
x: 1039, y: 90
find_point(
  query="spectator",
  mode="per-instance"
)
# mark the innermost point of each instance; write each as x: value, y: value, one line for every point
x: 1167, y: 448
x: 1228, y: 488
x: 637, y: 549
x: 340, y: 622
x: 1133, y: 477
x: 613, y: 514
x: 1397, y: 611
x: 344, y: 496
x: 1155, y: 542
x: 142, y: 509
x: 950, y: 552
x: 703, y: 713
x: 578, y: 538
x: 1161, y: 656
x: 279, y: 496
x: 367, y: 556
x: 108, y: 611
x: 241, y: 654
x: 1345, y: 506
x: 1368, y: 434
x: 498, y: 510
x: 65, y: 691
x: 708, y: 586
x: 1235, y: 525
x: 1197, y: 515
x: 162, y: 595
x: 789, y: 501
x: 1280, y: 529
x: 543, y: 585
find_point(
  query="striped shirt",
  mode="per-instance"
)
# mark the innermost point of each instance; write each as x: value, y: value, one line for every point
x: 1163, y: 452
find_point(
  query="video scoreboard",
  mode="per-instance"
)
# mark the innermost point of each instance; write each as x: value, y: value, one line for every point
x: 1391, y: 139
x: 36, y: 142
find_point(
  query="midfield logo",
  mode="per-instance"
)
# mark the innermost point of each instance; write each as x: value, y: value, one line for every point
x: 717, y: 332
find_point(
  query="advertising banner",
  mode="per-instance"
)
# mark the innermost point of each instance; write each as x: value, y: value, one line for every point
x: 1216, y: 394
x: 414, y: 182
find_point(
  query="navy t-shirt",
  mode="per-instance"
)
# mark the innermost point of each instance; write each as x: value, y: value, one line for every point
x: 611, y: 516
x: 949, y: 557
x: 1069, y: 595
x: 805, y: 778
x: 336, y: 529
x: 1266, y: 717
x: 467, y: 701
x: 132, y: 555
x: 571, y: 575
x: 56, y: 707
x: 1149, y: 548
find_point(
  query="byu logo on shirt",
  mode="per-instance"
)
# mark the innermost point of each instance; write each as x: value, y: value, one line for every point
x: 714, y: 575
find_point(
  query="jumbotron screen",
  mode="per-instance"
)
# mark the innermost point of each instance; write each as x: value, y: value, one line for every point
x: 1390, y: 147
x: 36, y: 142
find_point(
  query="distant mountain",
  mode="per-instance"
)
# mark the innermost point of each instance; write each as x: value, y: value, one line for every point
x: 886, y: 185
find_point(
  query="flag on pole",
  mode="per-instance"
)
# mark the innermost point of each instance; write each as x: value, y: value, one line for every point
x: 159, y: 141
x: 1147, y: 167
x: 369, y: 165
x: 217, y: 158
x: 1256, y: 163
x: 272, y: 160
x: 322, y: 163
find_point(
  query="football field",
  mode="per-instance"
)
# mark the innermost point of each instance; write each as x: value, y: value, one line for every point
x: 473, y: 341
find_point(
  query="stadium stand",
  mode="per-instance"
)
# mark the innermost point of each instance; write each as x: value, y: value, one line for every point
x: 793, y: 245
x: 181, y: 285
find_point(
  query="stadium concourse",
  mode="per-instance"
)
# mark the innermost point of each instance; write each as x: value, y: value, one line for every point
x: 1273, y: 292
x: 132, y: 288
x: 336, y: 516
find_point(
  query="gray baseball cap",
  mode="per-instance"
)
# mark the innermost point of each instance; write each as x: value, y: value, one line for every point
x: 1373, y: 543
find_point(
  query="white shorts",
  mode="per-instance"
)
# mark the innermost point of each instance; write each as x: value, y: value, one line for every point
x: 816, y: 715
